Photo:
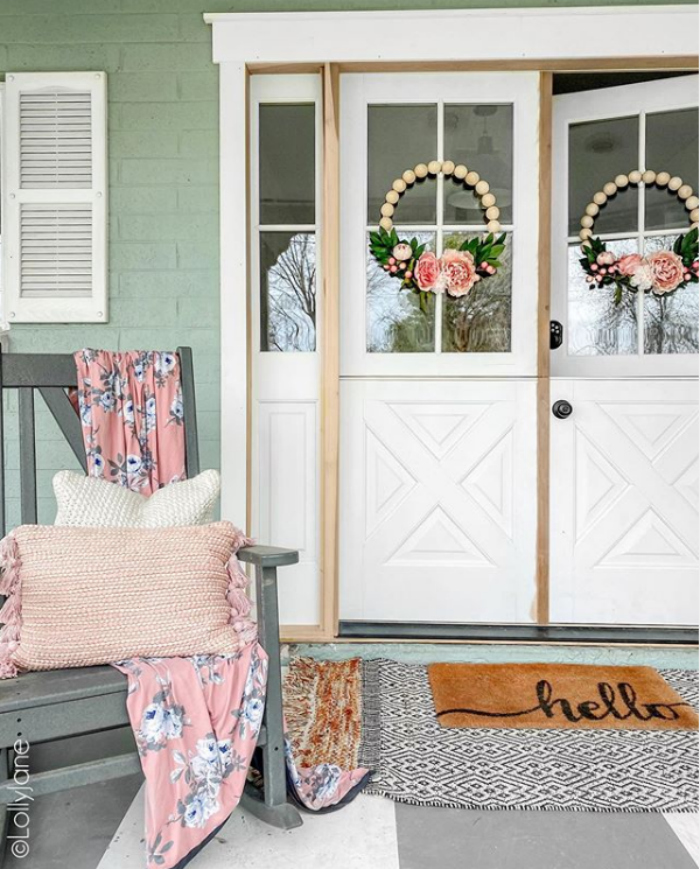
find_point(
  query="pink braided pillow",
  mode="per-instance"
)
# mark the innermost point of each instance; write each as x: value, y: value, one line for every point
x: 83, y: 596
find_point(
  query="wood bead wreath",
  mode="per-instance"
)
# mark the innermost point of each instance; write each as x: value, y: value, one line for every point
x: 457, y: 270
x: 663, y: 271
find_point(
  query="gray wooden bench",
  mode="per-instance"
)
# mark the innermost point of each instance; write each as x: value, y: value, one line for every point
x: 55, y: 705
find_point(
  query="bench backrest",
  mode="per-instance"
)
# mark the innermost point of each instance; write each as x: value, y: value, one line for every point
x: 51, y: 375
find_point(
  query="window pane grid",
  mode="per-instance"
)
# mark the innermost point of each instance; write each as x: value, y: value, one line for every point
x: 395, y: 321
x: 643, y: 304
x: 285, y: 206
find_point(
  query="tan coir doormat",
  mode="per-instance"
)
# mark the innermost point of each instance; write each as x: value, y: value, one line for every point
x: 556, y: 696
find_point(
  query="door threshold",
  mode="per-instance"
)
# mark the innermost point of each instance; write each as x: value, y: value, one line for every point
x: 516, y: 633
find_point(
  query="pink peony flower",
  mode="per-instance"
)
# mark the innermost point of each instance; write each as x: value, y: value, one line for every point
x: 629, y: 264
x: 402, y: 251
x: 666, y: 271
x: 607, y: 258
x: 427, y: 271
x: 459, y: 270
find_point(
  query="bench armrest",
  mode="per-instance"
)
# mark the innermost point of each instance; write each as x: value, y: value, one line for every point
x: 267, y: 556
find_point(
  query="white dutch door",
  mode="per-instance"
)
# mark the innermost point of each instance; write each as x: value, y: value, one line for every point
x: 438, y: 448
x: 625, y: 461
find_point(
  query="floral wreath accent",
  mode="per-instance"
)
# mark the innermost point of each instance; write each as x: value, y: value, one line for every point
x: 663, y: 271
x: 421, y: 271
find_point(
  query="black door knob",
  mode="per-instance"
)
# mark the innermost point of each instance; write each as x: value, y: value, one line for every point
x: 562, y: 409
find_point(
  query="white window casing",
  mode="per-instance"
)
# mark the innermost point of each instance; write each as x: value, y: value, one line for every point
x: 55, y: 197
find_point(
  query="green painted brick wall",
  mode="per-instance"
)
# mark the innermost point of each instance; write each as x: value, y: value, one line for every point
x: 163, y: 153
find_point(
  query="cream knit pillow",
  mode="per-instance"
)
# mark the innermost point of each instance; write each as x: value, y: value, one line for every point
x: 91, y: 501
x: 83, y: 596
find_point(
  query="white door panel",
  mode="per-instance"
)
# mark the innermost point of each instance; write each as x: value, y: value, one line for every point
x: 624, y: 466
x: 437, y: 472
x: 438, y: 496
x: 624, y: 503
x: 284, y: 370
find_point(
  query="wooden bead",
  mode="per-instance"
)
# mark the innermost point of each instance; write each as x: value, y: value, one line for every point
x: 421, y: 170
x: 635, y: 176
x: 482, y: 187
x: 493, y: 213
x: 585, y: 243
x: 592, y: 209
x: 386, y: 223
x: 387, y: 210
x: 586, y: 221
x: 434, y: 166
x: 662, y: 179
x: 600, y: 198
x: 685, y: 191
x: 649, y: 177
x: 392, y: 197
x: 621, y: 181
x: 692, y: 202
x: 675, y: 183
x: 610, y: 189
x: 488, y: 199
x: 585, y: 233
x: 460, y: 171
x: 409, y: 176
x: 493, y: 226
x: 694, y: 226
x: 472, y: 178
x: 448, y: 167
x: 695, y: 215
x: 399, y: 185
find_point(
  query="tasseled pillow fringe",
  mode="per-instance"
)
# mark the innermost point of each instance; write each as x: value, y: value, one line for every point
x: 11, y: 612
x: 237, y: 597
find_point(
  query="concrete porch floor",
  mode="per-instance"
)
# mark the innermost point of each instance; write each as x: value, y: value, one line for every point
x: 83, y: 829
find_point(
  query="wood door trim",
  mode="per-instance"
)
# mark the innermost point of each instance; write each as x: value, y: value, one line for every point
x: 543, y: 354
x: 330, y: 352
x: 601, y: 64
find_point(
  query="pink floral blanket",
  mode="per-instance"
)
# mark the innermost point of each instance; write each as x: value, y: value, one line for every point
x: 195, y: 720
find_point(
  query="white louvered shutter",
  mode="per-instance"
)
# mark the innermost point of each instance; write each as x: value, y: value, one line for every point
x: 55, y: 234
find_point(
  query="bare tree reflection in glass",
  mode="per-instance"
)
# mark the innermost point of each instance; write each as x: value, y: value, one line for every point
x: 597, y: 326
x: 481, y: 321
x: 395, y: 321
x: 670, y: 321
x: 288, y: 292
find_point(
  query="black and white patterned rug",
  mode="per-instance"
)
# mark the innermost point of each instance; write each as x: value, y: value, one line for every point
x: 416, y: 761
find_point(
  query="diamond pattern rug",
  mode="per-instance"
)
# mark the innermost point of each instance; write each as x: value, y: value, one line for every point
x: 418, y: 762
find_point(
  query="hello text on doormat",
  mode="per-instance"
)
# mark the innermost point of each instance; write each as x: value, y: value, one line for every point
x: 556, y: 696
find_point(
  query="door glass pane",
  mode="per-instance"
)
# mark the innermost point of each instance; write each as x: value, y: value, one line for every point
x: 395, y: 321
x: 288, y: 291
x: 481, y: 138
x: 287, y: 152
x: 596, y: 326
x: 400, y: 137
x: 671, y: 146
x: 479, y: 322
x: 598, y: 151
x: 671, y: 320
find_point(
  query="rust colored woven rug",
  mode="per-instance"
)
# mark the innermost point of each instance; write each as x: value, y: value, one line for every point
x: 557, y: 696
x: 324, y: 712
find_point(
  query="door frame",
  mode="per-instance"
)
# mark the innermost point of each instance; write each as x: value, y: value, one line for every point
x: 545, y: 40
